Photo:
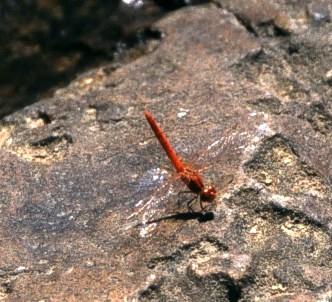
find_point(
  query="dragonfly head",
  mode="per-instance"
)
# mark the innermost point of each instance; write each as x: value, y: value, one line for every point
x: 208, y: 194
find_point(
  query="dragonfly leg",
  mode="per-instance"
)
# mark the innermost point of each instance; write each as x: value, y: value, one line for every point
x: 201, y: 205
x: 189, y: 202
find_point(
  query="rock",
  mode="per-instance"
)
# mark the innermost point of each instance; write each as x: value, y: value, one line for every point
x: 74, y: 167
x: 320, y: 10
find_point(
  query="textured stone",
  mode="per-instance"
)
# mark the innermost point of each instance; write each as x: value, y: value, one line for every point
x: 73, y: 167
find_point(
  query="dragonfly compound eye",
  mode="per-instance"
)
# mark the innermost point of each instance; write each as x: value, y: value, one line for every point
x: 208, y: 194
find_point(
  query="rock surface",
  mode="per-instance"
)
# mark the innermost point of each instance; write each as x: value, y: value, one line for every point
x: 73, y: 168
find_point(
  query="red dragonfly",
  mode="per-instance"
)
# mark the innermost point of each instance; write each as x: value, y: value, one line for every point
x: 158, y: 202
x: 188, y: 174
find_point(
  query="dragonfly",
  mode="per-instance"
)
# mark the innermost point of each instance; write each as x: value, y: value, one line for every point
x: 190, y: 176
x: 152, y: 208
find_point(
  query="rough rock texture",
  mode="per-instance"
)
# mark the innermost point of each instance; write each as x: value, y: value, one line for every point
x: 73, y: 168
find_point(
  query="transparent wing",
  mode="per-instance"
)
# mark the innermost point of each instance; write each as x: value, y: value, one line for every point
x: 227, y: 152
x: 161, y: 189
